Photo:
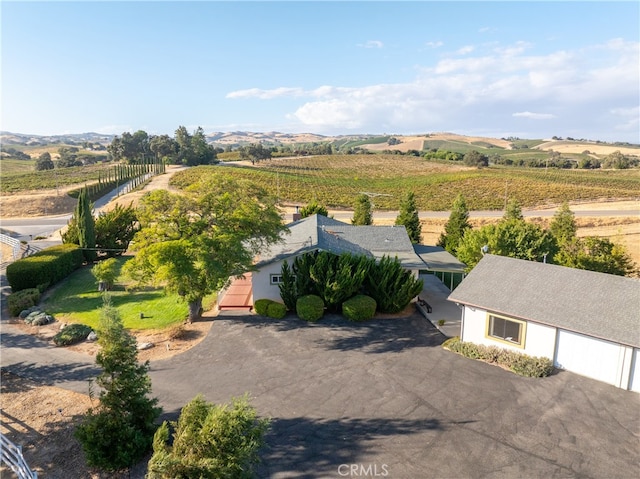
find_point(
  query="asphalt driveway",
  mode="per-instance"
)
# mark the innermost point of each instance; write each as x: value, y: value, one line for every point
x: 383, y: 399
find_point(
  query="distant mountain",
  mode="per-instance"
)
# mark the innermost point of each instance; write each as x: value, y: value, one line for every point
x: 8, y: 138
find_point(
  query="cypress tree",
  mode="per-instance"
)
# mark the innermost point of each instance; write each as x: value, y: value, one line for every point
x: 456, y: 227
x: 362, y: 214
x: 409, y: 218
x: 86, y: 226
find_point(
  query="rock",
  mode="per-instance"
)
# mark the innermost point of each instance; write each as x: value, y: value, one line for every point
x: 92, y: 336
x: 143, y: 346
x: 40, y: 320
x: 62, y: 326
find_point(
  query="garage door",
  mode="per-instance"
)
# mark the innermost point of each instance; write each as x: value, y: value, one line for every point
x: 635, y: 371
x: 588, y: 356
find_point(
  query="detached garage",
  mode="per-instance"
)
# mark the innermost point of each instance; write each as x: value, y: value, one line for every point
x: 586, y: 322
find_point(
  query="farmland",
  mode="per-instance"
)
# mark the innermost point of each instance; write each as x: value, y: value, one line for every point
x: 336, y: 180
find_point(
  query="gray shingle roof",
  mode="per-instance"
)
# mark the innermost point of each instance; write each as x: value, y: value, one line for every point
x: 596, y: 304
x: 438, y: 259
x: 327, y: 234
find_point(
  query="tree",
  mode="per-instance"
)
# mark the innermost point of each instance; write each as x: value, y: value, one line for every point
x: 409, y: 217
x: 456, y: 227
x: 163, y: 146
x: 563, y: 225
x: 475, y: 158
x: 193, y: 149
x: 595, y: 254
x: 513, y: 238
x: 105, y: 273
x: 44, y: 162
x: 119, y: 431
x: 513, y: 210
x: 192, y: 243
x: 616, y: 160
x: 115, y: 229
x: 209, y: 441
x: 86, y: 226
x: 362, y: 214
x: 254, y: 153
x: 313, y: 208
x: 68, y: 157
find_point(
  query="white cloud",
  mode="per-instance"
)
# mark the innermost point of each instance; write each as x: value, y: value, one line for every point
x: 589, y: 90
x: 433, y: 44
x: 534, y: 116
x: 465, y: 50
x: 371, y: 44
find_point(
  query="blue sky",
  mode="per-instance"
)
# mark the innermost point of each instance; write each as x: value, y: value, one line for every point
x: 525, y: 69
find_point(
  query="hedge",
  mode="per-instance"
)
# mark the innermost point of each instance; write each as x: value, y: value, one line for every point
x: 359, y: 308
x: 310, y: 307
x: 519, y: 363
x: 270, y: 308
x: 44, y: 268
x: 21, y: 300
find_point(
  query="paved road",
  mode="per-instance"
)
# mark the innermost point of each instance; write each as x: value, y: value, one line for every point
x: 385, y: 396
x: 24, y: 228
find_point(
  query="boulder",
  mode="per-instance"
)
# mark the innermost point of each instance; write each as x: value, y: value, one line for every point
x: 143, y: 346
x: 92, y: 336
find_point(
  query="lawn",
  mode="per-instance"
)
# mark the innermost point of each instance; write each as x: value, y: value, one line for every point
x: 77, y: 300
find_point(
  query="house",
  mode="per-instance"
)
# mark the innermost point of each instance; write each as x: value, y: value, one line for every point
x: 586, y: 322
x: 320, y: 233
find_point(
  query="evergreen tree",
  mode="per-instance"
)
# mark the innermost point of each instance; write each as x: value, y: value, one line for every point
x: 119, y: 431
x: 313, y: 208
x: 409, y: 217
x: 513, y: 211
x: 563, y: 225
x: 86, y: 227
x: 456, y: 227
x: 595, y: 254
x: 209, y: 441
x: 362, y: 214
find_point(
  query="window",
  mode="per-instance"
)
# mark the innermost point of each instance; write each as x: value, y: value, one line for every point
x: 276, y: 278
x: 508, y: 330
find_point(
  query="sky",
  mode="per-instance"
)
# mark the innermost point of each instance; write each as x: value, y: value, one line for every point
x: 496, y: 69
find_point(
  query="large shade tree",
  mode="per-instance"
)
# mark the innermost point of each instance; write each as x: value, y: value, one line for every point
x: 192, y: 243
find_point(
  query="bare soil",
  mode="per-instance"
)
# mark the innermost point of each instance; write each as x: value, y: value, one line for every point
x: 42, y: 419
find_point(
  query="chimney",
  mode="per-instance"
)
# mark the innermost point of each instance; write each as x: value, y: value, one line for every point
x: 297, y: 216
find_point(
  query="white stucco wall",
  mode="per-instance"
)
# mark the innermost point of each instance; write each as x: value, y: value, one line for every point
x: 261, y: 282
x: 539, y: 339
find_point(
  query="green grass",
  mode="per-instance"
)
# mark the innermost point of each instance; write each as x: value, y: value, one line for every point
x: 17, y: 181
x: 13, y: 165
x: 77, y: 300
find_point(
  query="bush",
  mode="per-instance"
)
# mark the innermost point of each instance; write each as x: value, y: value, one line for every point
x: 72, y: 334
x: 391, y: 285
x: 310, y: 307
x: 45, y: 267
x: 261, y: 306
x: 519, y: 363
x: 276, y: 310
x: 359, y: 308
x: 21, y: 300
x: 209, y: 440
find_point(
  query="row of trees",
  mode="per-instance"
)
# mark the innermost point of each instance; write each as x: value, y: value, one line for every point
x: 517, y: 238
x: 363, y: 214
x: 184, y: 148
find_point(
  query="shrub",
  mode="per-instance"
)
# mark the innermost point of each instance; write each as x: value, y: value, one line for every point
x: 261, y: 306
x: 209, y: 440
x: 105, y: 272
x: 519, y: 363
x: 310, y: 307
x: 276, y: 310
x: 21, y: 300
x: 45, y: 267
x: 72, y: 334
x: 359, y: 308
x: 391, y: 285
